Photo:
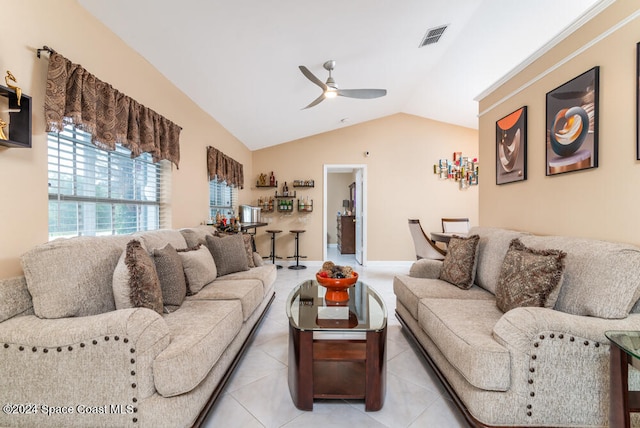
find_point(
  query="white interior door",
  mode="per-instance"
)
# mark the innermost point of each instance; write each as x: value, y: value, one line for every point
x: 358, y: 215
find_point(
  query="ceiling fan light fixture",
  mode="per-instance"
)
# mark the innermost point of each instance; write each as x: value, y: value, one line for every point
x: 330, y: 89
x: 331, y: 92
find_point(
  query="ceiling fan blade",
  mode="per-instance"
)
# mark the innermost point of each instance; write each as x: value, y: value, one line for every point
x: 362, y: 93
x: 316, y: 101
x: 313, y: 78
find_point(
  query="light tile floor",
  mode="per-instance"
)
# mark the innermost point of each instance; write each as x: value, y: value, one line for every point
x: 258, y: 395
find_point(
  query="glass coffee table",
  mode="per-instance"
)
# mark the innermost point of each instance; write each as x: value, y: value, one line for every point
x: 336, y: 350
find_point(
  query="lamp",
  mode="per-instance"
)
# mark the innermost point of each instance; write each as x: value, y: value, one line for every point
x: 346, y: 204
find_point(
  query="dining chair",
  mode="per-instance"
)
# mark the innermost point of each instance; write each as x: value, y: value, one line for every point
x: 455, y: 225
x: 425, y: 248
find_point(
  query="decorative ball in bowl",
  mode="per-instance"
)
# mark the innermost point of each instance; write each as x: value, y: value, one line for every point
x: 337, y: 280
x: 334, y: 283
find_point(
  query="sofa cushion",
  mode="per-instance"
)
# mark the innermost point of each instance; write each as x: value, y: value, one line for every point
x: 248, y: 291
x: 199, y: 268
x: 493, y: 246
x: 197, y: 235
x: 171, y: 275
x: 463, y: 331
x: 14, y: 298
x: 529, y: 277
x: 200, y: 332
x: 135, y: 280
x: 410, y: 290
x: 159, y: 238
x: 228, y: 252
x: 73, y: 277
x: 459, y: 265
x: 257, y: 259
x: 600, y: 278
x: 266, y: 274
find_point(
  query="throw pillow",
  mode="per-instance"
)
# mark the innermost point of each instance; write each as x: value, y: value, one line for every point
x: 529, y: 277
x: 199, y: 268
x: 171, y: 275
x: 257, y: 259
x: 248, y: 247
x: 135, y: 280
x: 229, y: 253
x: 459, y: 265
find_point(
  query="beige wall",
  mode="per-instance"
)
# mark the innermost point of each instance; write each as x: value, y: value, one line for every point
x: 403, y: 148
x: 401, y: 183
x: 68, y: 28
x: 337, y: 191
x: 601, y: 202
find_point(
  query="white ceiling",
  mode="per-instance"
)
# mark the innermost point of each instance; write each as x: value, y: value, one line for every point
x: 238, y: 60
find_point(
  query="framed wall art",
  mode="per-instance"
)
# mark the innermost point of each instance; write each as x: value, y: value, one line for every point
x: 511, y: 147
x: 572, y: 124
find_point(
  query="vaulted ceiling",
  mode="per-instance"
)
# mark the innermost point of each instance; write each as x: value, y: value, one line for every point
x: 238, y: 60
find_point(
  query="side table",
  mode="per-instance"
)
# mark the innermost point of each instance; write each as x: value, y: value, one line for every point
x: 625, y: 346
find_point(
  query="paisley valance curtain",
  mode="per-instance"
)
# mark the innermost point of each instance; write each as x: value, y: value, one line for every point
x: 222, y: 167
x: 75, y: 96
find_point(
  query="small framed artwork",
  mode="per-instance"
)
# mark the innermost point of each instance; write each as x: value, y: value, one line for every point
x: 572, y: 124
x: 511, y: 147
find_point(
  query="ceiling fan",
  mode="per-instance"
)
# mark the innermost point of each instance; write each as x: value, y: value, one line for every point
x: 330, y: 89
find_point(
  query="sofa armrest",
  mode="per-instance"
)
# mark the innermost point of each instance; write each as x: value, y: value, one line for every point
x: 559, y: 360
x: 426, y: 268
x: 94, y: 361
x: 520, y: 326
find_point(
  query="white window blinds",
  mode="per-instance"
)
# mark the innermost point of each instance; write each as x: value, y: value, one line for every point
x: 97, y: 192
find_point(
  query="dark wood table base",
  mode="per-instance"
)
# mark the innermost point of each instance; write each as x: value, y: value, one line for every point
x: 337, y: 369
x: 622, y: 401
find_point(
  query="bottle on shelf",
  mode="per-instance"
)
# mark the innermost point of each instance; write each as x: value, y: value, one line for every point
x: 285, y: 189
x: 272, y: 180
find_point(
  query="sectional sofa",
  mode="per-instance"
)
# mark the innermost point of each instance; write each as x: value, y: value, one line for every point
x: 545, y: 363
x: 79, y: 348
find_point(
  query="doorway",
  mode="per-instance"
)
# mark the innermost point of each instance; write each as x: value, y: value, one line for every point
x: 345, y: 189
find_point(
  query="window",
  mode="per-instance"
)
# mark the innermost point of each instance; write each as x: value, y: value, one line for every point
x: 97, y: 192
x: 222, y: 199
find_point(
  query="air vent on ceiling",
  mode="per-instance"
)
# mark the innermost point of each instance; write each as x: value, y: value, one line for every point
x: 433, y: 35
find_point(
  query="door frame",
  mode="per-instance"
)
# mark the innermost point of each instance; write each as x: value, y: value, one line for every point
x: 335, y: 168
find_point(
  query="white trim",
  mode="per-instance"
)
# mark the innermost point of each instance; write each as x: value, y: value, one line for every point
x: 370, y: 264
x: 579, y: 22
x: 363, y: 199
x: 392, y: 263
x: 568, y: 58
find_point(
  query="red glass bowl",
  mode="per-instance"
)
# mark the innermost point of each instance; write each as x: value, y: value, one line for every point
x: 337, y: 287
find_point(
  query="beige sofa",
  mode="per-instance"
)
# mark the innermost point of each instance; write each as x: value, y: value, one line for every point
x: 530, y: 366
x: 68, y: 357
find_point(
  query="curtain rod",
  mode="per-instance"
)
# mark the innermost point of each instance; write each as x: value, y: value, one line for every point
x: 45, y: 48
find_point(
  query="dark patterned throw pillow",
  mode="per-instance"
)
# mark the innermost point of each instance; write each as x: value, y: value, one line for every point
x: 459, y: 265
x: 248, y: 247
x: 145, y: 291
x: 529, y: 277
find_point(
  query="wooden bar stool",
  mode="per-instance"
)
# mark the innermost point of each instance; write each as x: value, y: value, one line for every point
x: 273, y: 256
x: 297, y: 255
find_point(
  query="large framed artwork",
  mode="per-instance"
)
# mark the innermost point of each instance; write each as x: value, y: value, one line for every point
x: 572, y: 124
x: 511, y: 147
